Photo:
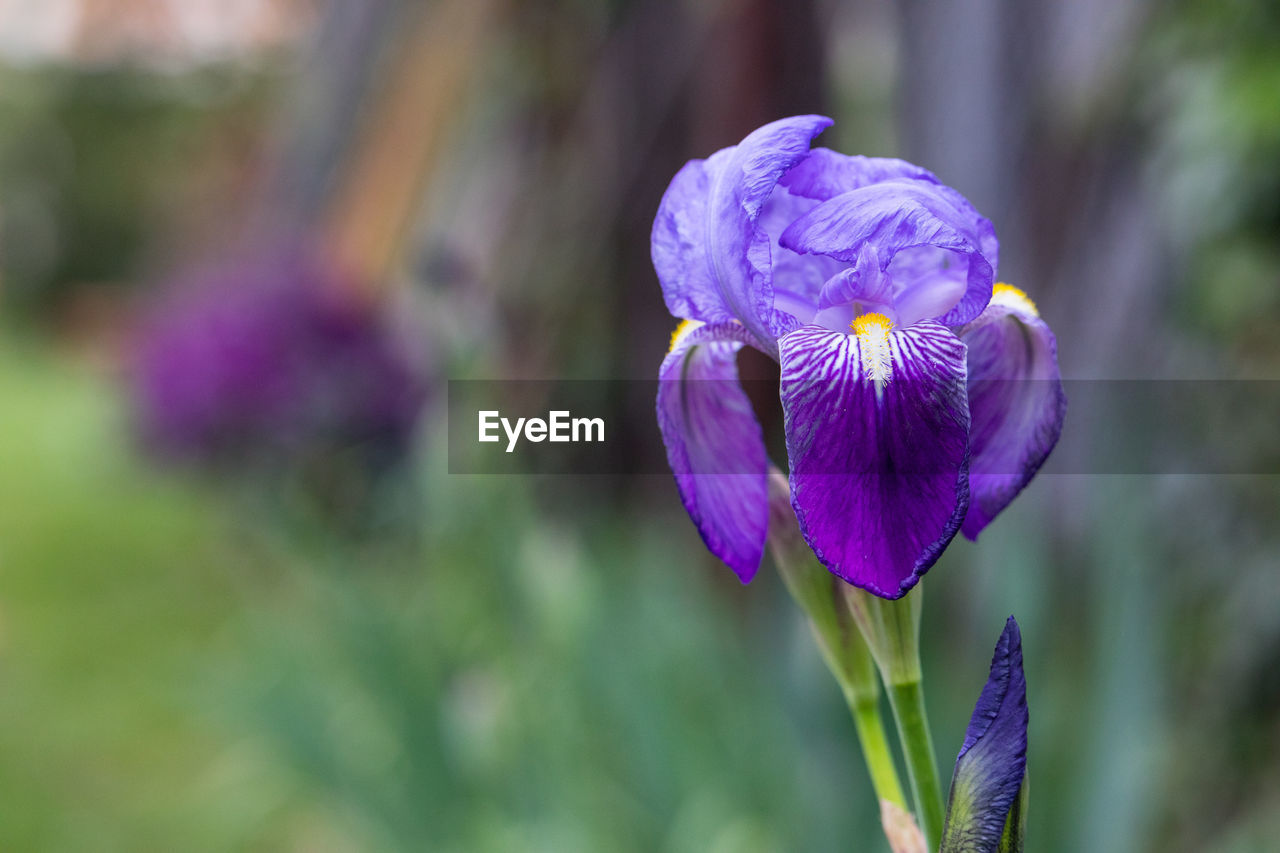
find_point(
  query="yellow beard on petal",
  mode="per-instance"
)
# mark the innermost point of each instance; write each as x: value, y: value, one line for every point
x: 1008, y: 295
x: 685, y: 327
x: 873, y: 343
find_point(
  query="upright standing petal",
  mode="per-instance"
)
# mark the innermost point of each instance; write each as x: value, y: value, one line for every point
x: 991, y: 768
x: 714, y: 443
x: 905, y: 216
x: 826, y: 174
x: 877, y: 435
x: 796, y: 279
x: 712, y: 260
x: 1015, y: 398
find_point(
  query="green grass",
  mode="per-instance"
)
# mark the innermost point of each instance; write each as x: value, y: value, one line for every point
x: 113, y: 596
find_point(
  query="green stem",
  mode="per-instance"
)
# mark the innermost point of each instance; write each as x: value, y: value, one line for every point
x: 875, y: 750
x: 907, y: 700
x: 821, y: 597
x: 847, y: 656
x: 891, y: 629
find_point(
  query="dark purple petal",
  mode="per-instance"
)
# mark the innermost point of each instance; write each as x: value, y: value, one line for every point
x: 715, y: 445
x: 992, y: 763
x: 712, y: 260
x: 908, y: 216
x: 1016, y: 400
x: 877, y: 437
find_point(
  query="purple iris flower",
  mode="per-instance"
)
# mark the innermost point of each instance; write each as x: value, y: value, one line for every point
x: 987, y: 804
x: 270, y: 360
x: 919, y: 396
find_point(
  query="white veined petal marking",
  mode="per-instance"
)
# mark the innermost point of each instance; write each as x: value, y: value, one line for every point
x: 821, y: 369
x: 874, y: 348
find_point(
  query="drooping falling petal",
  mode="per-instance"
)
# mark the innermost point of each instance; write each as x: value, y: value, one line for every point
x: 714, y: 443
x: 1016, y: 401
x: 877, y: 436
x: 988, y: 784
x: 710, y: 257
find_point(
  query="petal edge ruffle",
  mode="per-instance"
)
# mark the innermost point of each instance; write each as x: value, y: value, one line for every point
x: 710, y: 258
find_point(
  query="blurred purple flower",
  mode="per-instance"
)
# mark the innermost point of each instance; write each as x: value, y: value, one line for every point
x: 271, y: 360
x: 919, y: 397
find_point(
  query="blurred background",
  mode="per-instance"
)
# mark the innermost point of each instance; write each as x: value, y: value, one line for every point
x: 244, y: 245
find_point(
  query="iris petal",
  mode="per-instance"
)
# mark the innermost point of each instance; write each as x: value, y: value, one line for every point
x: 712, y: 260
x: 991, y: 768
x: 879, y: 469
x: 797, y: 279
x: 714, y: 444
x: 865, y: 282
x: 1016, y: 399
x: 896, y: 216
x: 826, y: 174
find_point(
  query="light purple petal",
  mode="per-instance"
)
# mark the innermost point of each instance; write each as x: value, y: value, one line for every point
x: 715, y: 445
x: 797, y: 279
x: 895, y: 216
x: 879, y: 470
x: 992, y: 763
x: 711, y: 259
x: 1016, y: 399
x: 928, y: 283
x: 826, y: 174
x: 865, y: 283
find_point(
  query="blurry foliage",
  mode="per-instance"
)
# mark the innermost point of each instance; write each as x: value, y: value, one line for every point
x: 1216, y: 79
x: 203, y: 682
x: 95, y: 165
x: 524, y: 684
x: 1219, y: 166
